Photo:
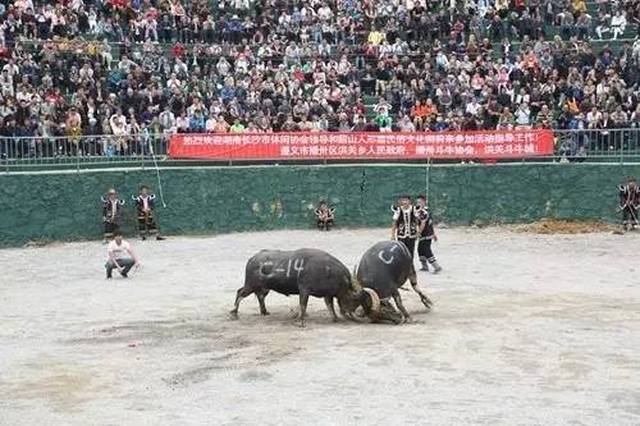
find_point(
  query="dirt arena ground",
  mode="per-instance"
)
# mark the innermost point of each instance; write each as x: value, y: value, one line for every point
x: 527, y: 330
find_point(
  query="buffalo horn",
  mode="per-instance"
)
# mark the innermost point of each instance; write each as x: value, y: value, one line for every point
x: 375, y: 301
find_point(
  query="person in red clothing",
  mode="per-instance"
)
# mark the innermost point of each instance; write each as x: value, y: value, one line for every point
x: 178, y: 50
x: 419, y: 113
x: 118, y: 4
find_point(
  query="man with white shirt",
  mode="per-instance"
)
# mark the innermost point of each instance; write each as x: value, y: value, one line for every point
x: 210, y: 125
x: 12, y: 69
x: 618, y: 24
x: 168, y: 121
x: 523, y: 115
x: 120, y: 257
x: 473, y: 107
x: 118, y: 123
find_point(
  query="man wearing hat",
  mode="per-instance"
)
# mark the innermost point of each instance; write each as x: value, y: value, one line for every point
x: 112, y: 208
x: 145, y: 207
x: 405, y: 223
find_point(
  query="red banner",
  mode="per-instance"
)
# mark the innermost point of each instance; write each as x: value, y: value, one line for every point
x: 344, y: 146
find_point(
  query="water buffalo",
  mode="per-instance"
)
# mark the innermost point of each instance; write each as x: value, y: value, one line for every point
x: 385, y: 267
x: 306, y: 272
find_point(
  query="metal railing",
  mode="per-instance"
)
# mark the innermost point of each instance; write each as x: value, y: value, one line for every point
x: 618, y: 145
x: 81, y: 150
x: 598, y: 143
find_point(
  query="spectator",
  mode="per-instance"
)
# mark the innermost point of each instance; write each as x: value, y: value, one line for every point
x: 237, y: 127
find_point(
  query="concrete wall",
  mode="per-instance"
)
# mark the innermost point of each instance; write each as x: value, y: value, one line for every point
x: 66, y: 206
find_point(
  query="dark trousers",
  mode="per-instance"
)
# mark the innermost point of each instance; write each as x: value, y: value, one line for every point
x: 126, y: 265
x: 146, y: 223
x: 325, y: 224
x: 410, y: 243
x: 629, y: 216
x: 424, y: 250
x: 110, y: 228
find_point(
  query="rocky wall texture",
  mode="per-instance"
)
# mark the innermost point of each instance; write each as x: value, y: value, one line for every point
x: 66, y: 206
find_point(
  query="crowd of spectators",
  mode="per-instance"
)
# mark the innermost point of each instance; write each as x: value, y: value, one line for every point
x: 137, y: 68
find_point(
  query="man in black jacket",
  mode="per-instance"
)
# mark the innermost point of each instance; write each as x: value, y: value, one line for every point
x: 145, y: 208
x: 426, y: 236
x: 629, y: 194
x: 405, y: 223
x: 112, y: 209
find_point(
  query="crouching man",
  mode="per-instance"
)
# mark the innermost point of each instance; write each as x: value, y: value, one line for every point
x: 120, y: 256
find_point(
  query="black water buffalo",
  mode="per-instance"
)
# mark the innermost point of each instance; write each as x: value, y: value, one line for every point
x: 385, y: 267
x: 307, y: 272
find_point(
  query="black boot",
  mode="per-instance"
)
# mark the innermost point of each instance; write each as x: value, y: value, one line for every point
x: 424, y: 264
x: 160, y: 238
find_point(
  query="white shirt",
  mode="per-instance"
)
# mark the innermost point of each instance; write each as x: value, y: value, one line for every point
x: 210, y: 126
x: 472, y: 108
x: 523, y: 116
x: 119, y: 252
x: 118, y: 124
x: 618, y: 21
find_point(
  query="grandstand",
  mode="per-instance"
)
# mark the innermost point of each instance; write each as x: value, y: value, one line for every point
x: 137, y: 71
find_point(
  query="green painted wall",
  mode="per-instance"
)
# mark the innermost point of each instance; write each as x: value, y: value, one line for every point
x: 65, y: 206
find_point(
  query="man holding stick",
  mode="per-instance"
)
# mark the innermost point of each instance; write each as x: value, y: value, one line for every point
x: 629, y: 203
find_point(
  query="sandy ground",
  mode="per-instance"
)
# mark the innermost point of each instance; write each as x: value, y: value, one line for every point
x: 526, y: 330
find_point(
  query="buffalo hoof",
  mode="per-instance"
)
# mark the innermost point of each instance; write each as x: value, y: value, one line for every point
x: 426, y: 302
x: 265, y: 313
x: 397, y: 321
x: 233, y: 315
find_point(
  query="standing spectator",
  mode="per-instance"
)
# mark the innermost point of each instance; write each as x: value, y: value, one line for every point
x: 618, y: 23
x: 111, y: 214
x: 523, y: 115
x: 118, y: 123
